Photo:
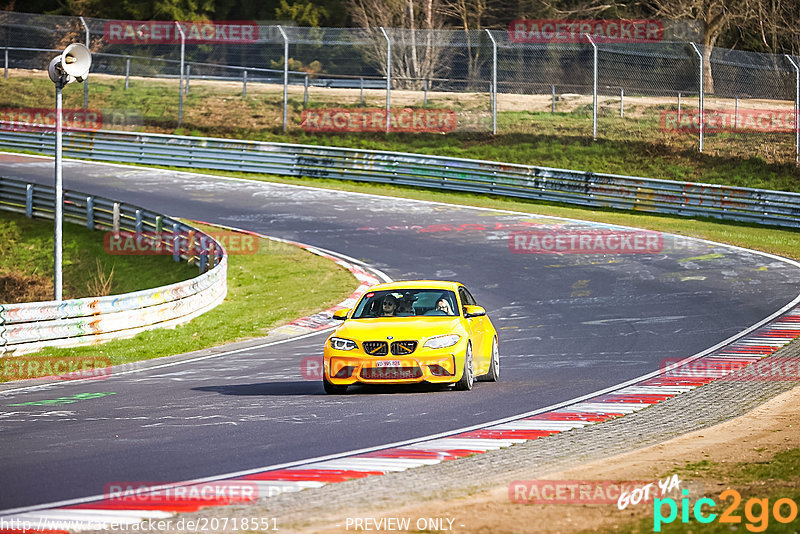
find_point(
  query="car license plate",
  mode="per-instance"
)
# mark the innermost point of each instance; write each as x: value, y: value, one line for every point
x: 388, y: 363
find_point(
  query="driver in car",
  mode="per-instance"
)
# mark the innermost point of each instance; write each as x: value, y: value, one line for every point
x: 444, y: 306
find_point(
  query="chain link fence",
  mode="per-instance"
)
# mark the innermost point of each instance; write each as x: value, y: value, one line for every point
x: 388, y: 79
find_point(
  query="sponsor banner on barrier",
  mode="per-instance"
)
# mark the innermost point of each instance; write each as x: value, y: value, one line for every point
x: 720, y: 120
x: 575, y: 31
x: 33, y: 119
x: 212, y: 493
x: 160, y: 243
x: 374, y: 120
x: 729, y: 368
x: 65, y: 367
x: 165, y: 32
x: 585, y: 241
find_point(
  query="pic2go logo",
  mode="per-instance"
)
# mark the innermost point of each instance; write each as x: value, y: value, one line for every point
x: 756, y: 511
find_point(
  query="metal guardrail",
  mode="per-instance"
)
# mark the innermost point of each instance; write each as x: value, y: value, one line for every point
x: 31, y: 326
x: 456, y: 174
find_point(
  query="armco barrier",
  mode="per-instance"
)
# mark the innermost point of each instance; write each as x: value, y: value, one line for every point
x: 31, y: 326
x: 525, y: 181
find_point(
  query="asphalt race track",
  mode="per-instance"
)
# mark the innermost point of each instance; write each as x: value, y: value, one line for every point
x: 569, y: 325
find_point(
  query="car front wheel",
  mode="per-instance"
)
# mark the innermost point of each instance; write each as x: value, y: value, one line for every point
x: 494, y: 366
x: 467, y: 377
x: 333, y: 389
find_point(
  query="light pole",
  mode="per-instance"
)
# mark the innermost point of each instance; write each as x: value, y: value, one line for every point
x: 71, y: 66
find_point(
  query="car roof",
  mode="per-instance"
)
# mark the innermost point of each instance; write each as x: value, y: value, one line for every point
x: 418, y: 284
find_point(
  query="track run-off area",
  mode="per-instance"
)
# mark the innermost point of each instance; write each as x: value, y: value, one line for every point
x: 570, y: 325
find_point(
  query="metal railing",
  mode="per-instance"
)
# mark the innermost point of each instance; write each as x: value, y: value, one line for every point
x: 437, y: 172
x: 32, y: 326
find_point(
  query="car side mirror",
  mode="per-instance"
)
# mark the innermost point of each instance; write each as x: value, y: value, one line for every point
x: 340, y: 315
x: 474, y: 311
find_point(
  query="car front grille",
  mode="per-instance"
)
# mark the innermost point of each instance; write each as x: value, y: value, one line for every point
x: 390, y: 373
x: 402, y: 348
x: 376, y: 348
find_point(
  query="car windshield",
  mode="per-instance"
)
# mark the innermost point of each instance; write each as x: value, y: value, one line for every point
x: 406, y: 303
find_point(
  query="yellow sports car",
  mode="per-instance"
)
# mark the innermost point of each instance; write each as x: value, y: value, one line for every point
x: 416, y: 331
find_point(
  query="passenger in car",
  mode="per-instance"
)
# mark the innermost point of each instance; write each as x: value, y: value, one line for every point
x: 389, y: 306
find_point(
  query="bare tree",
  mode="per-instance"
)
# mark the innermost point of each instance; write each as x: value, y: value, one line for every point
x: 417, y: 48
x: 470, y: 15
x: 715, y: 15
x: 776, y: 24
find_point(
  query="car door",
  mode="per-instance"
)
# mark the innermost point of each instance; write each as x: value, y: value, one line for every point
x: 477, y: 328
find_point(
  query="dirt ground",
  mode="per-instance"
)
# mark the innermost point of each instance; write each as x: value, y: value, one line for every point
x: 754, y: 437
x: 635, y: 105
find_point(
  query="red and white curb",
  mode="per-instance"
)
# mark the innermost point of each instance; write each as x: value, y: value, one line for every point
x: 162, y: 502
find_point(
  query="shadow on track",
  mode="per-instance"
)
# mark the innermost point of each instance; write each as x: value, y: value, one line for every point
x: 311, y: 387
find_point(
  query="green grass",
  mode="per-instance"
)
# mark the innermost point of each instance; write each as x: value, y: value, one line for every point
x: 271, y: 287
x: 275, y: 285
x: 27, y: 252
x: 631, y: 146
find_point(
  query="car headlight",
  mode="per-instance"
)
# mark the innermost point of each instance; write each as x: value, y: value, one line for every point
x: 440, y: 342
x: 339, y: 343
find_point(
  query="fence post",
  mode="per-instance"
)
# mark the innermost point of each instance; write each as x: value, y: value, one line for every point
x: 139, y: 222
x: 305, y: 92
x: 203, y: 256
x: 388, y: 76
x: 285, y: 77
x: 86, y: 81
x: 361, y: 86
x: 594, y: 87
x: 58, y: 212
x: 735, y: 112
x: 621, y: 102
x: 796, y: 109
x: 5, y: 69
x: 186, y: 81
x: 702, y: 91
x: 90, y: 213
x: 115, y: 218
x: 494, y: 82
x: 425, y: 89
x: 679, y: 107
x: 553, y: 103
x: 29, y: 201
x: 180, y: 84
x: 244, y: 84
x: 176, y: 243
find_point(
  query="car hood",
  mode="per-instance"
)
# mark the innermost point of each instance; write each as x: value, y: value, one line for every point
x: 399, y: 328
